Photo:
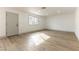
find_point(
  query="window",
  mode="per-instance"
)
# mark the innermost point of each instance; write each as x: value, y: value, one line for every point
x: 33, y: 20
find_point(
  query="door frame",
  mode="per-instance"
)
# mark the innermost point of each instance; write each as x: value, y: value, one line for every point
x: 17, y: 22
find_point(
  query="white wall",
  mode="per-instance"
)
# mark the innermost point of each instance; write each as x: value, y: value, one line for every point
x: 77, y: 23
x: 24, y: 25
x: 23, y: 22
x: 60, y: 22
x: 2, y: 23
x: 63, y: 22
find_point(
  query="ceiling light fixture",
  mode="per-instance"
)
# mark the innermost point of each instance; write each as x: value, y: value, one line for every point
x: 43, y: 8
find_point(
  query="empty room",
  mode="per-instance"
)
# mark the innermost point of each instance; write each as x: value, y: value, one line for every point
x: 39, y: 29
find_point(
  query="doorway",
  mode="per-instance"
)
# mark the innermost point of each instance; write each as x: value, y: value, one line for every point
x: 11, y: 24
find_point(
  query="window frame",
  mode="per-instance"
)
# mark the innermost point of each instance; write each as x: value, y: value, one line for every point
x: 33, y: 20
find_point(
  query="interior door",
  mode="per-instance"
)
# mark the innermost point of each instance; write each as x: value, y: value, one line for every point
x: 11, y: 24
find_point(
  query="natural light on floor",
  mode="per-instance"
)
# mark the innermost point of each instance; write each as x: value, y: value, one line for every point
x: 39, y: 38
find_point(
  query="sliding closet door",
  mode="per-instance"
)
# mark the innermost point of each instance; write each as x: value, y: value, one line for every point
x: 11, y: 24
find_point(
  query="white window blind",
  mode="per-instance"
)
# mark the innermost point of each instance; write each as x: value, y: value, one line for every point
x: 33, y: 20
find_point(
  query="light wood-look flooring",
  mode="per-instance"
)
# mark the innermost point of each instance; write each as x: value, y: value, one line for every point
x: 45, y: 40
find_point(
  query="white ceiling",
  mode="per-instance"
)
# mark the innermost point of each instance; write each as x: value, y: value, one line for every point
x: 48, y: 11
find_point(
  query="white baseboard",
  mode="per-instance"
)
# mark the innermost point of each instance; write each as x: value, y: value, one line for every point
x: 61, y: 30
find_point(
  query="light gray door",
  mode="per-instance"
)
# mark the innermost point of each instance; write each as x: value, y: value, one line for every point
x: 11, y: 23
